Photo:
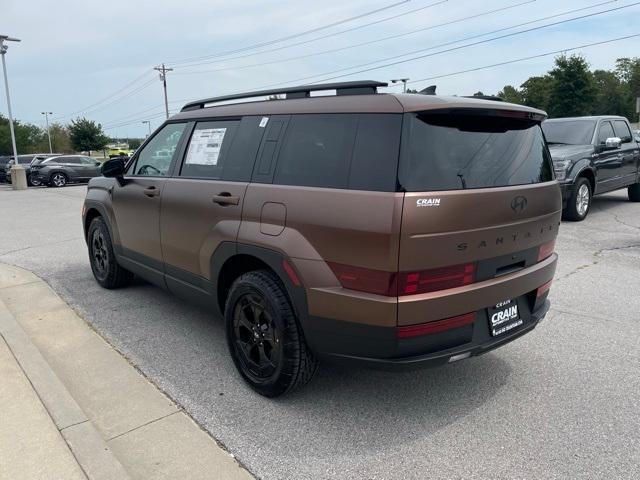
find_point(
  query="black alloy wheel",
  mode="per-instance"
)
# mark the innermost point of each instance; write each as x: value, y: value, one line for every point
x: 99, y: 254
x: 256, y: 337
x: 265, y: 340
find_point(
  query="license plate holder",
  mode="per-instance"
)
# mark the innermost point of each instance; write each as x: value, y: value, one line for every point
x: 504, y: 317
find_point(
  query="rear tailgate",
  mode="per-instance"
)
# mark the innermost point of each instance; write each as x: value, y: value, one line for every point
x: 480, y: 227
x: 480, y: 202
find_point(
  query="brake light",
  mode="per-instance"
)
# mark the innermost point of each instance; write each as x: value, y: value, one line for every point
x: 412, y: 283
x: 544, y: 289
x: 405, y: 283
x: 435, y: 327
x: 546, y: 249
x: 366, y: 280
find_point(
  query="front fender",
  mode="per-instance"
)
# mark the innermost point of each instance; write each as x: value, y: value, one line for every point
x: 579, y: 167
x: 99, y: 198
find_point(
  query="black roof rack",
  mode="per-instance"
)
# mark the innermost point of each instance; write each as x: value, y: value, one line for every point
x: 363, y: 87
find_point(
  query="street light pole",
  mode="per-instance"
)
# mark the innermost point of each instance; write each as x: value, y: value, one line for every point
x: 404, y: 83
x: 148, y: 125
x: 46, y: 116
x: 163, y: 76
x: 3, y: 51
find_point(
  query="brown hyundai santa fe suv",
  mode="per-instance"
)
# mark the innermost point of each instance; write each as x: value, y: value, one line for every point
x: 388, y: 230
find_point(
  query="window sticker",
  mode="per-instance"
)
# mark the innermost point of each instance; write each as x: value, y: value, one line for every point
x: 263, y: 122
x: 205, y: 146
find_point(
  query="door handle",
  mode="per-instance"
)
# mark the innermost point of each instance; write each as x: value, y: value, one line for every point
x: 225, y: 198
x: 151, y: 191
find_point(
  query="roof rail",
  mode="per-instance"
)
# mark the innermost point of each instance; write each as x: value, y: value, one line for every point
x: 363, y: 87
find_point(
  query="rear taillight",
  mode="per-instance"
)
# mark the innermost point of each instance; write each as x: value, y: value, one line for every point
x: 435, y: 327
x: 411, y: 283
x: 546, y: 249
x: 543, y: 289
x: 404, y: 283
x: 365, y: 280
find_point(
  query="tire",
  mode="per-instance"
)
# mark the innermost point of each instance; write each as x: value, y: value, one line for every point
x: 634, y: 192
x: 58, y: 180
x: 579, y: 204
x: 264, y: 337
x: 34, y: 183
x: 104, y: 266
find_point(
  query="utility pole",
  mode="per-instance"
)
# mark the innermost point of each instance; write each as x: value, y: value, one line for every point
x: 20, y: 178
x: 404, y: 83
x: 3, y: 51
x: 163, y: 76
x: 46, y: 116
x: 148, y: 125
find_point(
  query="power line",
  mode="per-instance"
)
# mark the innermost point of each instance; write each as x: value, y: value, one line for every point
x: 531, y: 57
x: 132, y: 82
x: 124, y: 97
x: 397, y: 62
x: 391, y: 37
x: 290, y: 37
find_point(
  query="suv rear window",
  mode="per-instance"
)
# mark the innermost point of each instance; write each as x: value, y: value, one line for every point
x: 461, y: 151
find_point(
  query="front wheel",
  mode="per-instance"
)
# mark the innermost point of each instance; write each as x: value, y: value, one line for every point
x: 580, y: 201
x: 634, y: 192
x: 35, y: 182
x: 264, y: 337
x: 104, y: 266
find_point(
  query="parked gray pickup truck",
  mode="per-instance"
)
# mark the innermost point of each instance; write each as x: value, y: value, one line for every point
x: 592, y: 155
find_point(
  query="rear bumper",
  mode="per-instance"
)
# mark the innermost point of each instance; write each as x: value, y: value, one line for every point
x: 481, y: 343
x: 377, y: 344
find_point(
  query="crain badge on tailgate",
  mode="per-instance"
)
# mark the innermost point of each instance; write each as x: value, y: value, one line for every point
x: 428, y: 202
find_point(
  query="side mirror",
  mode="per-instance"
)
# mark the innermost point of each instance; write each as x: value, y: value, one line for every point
x: 612, y: 143
x: 114, y: 168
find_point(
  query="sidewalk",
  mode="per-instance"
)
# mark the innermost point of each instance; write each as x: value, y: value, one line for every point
x: 72, y: 407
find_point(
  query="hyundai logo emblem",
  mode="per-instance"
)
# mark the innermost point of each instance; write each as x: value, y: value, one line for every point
x: 518, y: 204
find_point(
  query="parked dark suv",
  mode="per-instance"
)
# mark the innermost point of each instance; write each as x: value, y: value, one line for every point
x: 592, y: 155
x: 58, y: 171
x: 390, y: 230
x: 25, y: 161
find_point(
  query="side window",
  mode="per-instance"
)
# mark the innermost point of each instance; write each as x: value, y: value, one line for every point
x: 374, y: 165
x: 317, y: 151
x: 207, y: 155
x: 622, y: 131
x: 155, y: 158
x: 72, y: 160
x: 88, y: 161
x: 606, y: 131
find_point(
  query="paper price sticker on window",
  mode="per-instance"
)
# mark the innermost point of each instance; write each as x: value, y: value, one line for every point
x: 205, y: 146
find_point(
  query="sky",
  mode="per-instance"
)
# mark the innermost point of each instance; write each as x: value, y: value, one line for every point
x: 95, y: 59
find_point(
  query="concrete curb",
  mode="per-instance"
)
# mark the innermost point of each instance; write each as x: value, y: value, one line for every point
x: 112, y: 418
x: 90, y: 450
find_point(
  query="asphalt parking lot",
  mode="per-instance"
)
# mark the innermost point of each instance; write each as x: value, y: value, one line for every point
x: 562, y: 402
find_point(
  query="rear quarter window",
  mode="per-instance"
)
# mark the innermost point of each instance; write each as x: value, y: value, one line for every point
x: 354, y: 151
x: 457, y: 151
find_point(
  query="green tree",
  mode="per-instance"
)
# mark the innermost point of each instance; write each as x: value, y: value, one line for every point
x: 479, y: 94
x: 572, y: 91
x: 134, y: 143
x: 535, y: 92
x: 60, y: 139
x: 87, y: 135
x: 609, y: 98
x: 28, y: 137
x: 511, y: 94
